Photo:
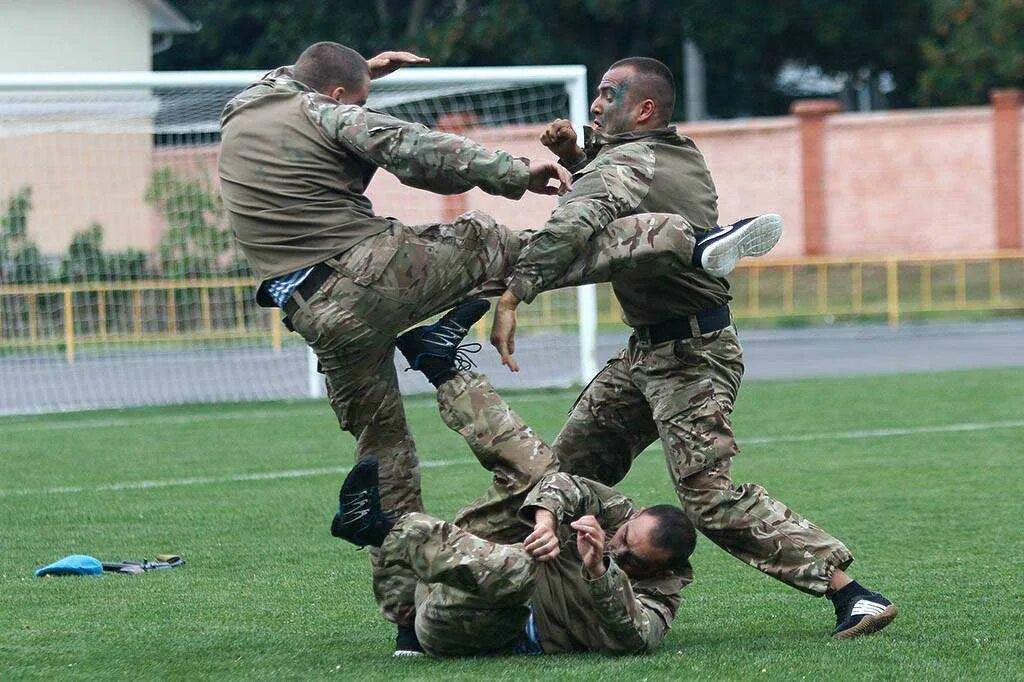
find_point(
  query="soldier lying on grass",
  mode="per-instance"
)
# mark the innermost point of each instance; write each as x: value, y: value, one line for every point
x: 543, y: 562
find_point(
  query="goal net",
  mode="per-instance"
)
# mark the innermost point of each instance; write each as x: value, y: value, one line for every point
x: 120, y: 284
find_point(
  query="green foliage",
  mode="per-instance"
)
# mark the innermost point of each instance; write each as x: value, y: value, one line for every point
x: 195, y: 243
x: 975, y: 45
x: 85, y: 260
x: 21, y: 262
x: 744, y: 41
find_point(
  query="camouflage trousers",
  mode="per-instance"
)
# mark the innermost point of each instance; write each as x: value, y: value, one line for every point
x: 400, y: 277
x: 683, y: 393
x: 475, y: 578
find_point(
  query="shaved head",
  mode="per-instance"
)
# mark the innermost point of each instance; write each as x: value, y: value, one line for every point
x: 653, y: 80
x: 325, y: 66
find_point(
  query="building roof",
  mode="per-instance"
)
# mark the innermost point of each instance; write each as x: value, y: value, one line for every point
x: 165, y: 18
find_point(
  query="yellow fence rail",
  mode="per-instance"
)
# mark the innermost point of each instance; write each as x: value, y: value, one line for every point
x: 71, y: 316
x: 890, y: 288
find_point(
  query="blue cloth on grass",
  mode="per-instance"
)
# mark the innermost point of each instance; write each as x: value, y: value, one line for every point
x: 75, y: 564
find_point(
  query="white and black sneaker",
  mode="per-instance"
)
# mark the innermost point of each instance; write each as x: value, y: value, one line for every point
x: 860, y: 611
x: 720, y: 249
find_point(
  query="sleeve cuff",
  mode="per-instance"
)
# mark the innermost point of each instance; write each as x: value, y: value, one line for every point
x: 519, y: 178
x: 602, y: 585
x: 573, y: 167
x: 523, y: 290
x: 529, y: 509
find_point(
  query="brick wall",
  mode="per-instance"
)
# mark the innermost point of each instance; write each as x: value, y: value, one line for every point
x: 932, y: 181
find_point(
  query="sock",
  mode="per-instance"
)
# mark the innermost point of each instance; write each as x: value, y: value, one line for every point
x: 699, y: 245
x: 852, y: 590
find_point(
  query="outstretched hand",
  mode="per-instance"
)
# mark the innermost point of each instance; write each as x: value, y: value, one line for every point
x: 503, y: 330
x: 388, y: 62
x: 543, y: 171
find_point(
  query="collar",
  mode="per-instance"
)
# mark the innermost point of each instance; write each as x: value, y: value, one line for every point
x: 594, y: 140
x: 284, y: 77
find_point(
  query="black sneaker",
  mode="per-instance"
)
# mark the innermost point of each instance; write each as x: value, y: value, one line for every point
x: 360, y: 519
x: 407, y: 643
x: 435, y: 349
x: 860, y: 611
x: 720, y: 249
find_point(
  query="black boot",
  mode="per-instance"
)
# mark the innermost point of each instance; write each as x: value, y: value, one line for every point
x: 360, y: 519
x: 407, y: 643
x: 435, y: 349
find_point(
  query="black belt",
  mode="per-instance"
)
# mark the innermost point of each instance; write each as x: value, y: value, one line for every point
x: 307, y: 287
x: 684, y: 327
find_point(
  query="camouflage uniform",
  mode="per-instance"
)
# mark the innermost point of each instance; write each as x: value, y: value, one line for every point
x: 294, y: 166
x: 479, y: 586
x: 683, y: 392
x: 680, y: 391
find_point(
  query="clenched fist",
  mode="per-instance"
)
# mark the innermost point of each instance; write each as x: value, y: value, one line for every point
x: 560, y: 138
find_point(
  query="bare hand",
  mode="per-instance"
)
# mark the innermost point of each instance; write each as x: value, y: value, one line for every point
x: 387, y: 62
x: 590, y: 543
x: 542, y: 544
x: 543, y: 171
x: 560, y: 138
x: 503, y: 330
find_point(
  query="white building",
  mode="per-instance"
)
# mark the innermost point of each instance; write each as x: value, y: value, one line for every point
x: 86, y: 156
x: 86, y: 35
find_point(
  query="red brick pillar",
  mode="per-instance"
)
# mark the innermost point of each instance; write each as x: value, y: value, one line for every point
x: 1006, y: 104
x: 454, y: 205
x: 812, y: 114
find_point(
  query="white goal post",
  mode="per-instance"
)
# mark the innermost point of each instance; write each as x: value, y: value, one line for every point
x: 92, y: 315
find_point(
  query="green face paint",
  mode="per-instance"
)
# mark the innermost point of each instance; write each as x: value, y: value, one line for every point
x: 612, y: 108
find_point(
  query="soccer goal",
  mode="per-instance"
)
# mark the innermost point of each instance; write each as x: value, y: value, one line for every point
x: 120, y: 284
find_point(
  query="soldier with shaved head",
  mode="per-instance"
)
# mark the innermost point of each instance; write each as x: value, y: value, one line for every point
x: 298, y: 149
x: 679, y: 376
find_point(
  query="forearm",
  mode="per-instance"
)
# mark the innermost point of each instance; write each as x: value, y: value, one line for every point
x: 570, y: 497
x: 625, y: 619
x: 554, y: 248
x: 419, y: 157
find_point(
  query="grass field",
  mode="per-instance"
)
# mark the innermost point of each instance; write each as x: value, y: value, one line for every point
x: 920, y: 474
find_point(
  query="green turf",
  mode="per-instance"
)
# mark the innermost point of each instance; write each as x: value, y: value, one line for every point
x: 933, y: 518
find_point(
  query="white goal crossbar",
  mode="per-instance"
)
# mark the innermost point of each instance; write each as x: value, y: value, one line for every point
x: 571, y: 78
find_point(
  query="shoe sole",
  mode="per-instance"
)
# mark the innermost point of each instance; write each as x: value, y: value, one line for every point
x: 870, y: 624
x: 406, y: 654
x: 756, y: 238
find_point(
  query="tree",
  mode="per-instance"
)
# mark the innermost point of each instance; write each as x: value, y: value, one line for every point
x: 975, y: 45
x: 745, y: 41
x: 194, y: 242
x: 21, y: 262
x: 85, y: 260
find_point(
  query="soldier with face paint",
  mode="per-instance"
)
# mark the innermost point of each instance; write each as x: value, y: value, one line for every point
x: 543, y: 562
x: 679, y: 376
x: 298, y: 149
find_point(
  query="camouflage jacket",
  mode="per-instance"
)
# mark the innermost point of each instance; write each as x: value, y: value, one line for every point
x: 294, y: 166
x: 651, y: 171
x: 611, y: 613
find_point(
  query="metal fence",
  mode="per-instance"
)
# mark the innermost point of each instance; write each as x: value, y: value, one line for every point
x: 186, y: 312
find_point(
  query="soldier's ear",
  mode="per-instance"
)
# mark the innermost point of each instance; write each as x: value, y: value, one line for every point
x: 337, y: 93
x: 648, y: 110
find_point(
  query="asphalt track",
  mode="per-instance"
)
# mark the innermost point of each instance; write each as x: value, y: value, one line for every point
x: 31, y: 384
